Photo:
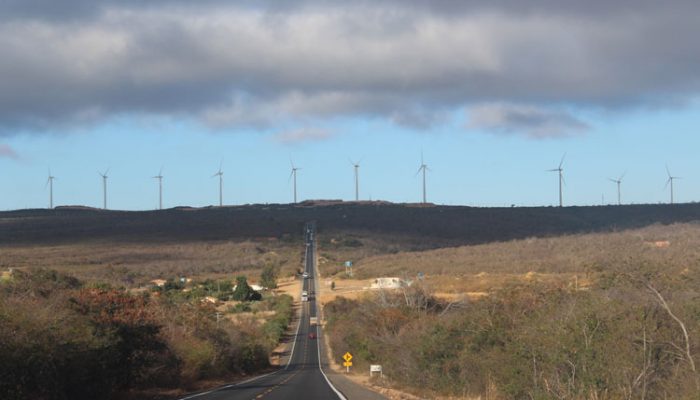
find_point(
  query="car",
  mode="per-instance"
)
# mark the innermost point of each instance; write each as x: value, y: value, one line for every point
x: 305, y: 275
x: 312, y: 335
x: 304, y: 293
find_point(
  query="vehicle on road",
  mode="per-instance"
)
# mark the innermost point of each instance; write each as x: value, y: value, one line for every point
x: 305, y: 274
x: 304, y: 293
x: 313, y: 321
x: 312, y: 335
x: 304, y: 298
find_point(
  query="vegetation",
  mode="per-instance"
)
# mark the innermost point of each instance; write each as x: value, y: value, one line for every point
x: 631, y: 332
x: 63, y: 339
x: 268, y: 277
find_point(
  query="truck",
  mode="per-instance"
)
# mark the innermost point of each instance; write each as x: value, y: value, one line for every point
x: 304, y: 298
x: 313, y: 321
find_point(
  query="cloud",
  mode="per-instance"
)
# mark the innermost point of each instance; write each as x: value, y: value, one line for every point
x: 270, y: 63
x: 302, y: 135
x: 531, y: 121
x: 7, y: 152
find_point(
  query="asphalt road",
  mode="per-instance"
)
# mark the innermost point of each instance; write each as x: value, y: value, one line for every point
x: 302, y: 378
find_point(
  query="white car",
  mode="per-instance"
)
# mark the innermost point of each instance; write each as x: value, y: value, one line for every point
x: 304, y: 293
x: 305, y: 275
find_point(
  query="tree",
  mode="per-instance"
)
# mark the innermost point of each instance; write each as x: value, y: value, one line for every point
x: 243, y: 291
x: 268, y: 277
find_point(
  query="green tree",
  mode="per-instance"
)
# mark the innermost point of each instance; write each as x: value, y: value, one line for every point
x: 243, y: 291
x: 268, y: 277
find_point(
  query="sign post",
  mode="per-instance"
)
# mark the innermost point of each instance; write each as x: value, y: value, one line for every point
x: 376, y: 368
x: 347, y: 364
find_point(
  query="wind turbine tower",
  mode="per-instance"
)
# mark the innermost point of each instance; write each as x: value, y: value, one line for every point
x: 294, y: 176
x: 220, y: 174
x: 160, y: 188
x: 670, y: 180
x: 49, y: 183
x: 356, y: 167
x: 423, y: 167
x: 560, y: 170
x: 104, y: 188
x: 618, y: 181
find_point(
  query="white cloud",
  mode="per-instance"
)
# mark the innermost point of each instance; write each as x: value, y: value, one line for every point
x: 531, y: 121
x: 264, y: 64
x: 302, y: 135
x: 7, y: 152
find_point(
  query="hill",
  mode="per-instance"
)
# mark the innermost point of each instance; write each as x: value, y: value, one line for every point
x: 453, y: 224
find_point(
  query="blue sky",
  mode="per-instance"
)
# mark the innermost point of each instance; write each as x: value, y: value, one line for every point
x: 492, y: 94
x: 468, y: 167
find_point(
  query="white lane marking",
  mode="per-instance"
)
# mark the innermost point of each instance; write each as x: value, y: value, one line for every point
x: 289, y: 361
x: 318, y: 338
x: 230, y: 386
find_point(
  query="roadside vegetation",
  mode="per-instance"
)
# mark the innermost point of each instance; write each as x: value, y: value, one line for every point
x: 632, y: 331
x: 61, y: 338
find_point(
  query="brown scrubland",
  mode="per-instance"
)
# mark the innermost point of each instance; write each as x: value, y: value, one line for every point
x: 587, y: 316
x: 541, y: 303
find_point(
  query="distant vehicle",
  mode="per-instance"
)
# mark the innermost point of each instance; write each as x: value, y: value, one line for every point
x: 313, y: 321
x: 312, y: 335
x: 305, y: 274
x: 304, y: 298
x: 304, y: 293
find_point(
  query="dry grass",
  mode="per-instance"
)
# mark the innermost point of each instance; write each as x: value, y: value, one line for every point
x: 568, y: 261
x: 116, y: 263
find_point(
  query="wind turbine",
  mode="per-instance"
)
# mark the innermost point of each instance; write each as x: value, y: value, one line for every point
x: 560, y: 170
x: 294, y: 175
x: 104, y: 187
x: 670, y: 181
x: 220, y: 174
x: 49, y: 183
x: 423, y: 167
x: 356, y: 167
x: 618, y: 181
x: 160, y: 188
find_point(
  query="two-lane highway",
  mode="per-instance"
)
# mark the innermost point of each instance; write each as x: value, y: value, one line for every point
x: 302, y: 377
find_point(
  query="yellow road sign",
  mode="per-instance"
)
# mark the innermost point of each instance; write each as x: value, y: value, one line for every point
x: 347, y: 357
x: 347, y: 364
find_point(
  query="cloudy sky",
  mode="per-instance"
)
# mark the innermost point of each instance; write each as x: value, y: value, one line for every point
x: 493, y: 93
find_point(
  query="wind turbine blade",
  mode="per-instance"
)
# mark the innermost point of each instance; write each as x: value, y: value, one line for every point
x: 667, y: 182
x: 668, y: 171
x: 562, y: 160
x: 622, y: 176
x: 563, y: 180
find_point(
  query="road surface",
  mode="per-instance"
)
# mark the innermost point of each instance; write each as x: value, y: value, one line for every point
x: 302, y: 377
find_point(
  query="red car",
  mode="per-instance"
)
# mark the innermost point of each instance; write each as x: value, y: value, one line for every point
x: 312, y: 335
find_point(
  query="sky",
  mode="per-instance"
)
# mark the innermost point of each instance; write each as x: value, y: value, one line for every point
x: 491, y: 94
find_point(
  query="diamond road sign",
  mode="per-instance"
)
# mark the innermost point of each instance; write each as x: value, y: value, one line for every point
x: 347, y: 357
